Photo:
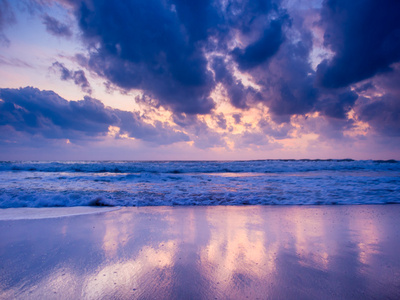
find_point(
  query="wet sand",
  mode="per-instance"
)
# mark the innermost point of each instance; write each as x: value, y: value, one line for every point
x: 265, y: 252
x: 28, y: 213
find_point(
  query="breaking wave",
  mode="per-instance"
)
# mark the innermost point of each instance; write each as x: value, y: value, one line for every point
x: 262, y: 182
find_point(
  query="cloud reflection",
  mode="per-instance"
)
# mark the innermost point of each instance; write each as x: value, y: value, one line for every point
x: 205, y: 252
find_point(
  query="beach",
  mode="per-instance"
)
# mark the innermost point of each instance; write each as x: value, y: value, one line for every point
x: 199, y: 150
x: 220, y: 252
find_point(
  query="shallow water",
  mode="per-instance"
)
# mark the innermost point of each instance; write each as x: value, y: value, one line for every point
x: 255, y: 252
x: 268, y: 182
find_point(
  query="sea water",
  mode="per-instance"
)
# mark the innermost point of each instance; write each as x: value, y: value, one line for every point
x: 150, y: 183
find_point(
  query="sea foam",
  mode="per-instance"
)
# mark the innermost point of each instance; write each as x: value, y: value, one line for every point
x: 264, y: 182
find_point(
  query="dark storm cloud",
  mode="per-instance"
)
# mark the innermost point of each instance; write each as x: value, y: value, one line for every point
x: 365, y: 37
x: 200, y: 18
x: 260, y: 23
x: 239, y: 95
x: 261, y: 50
x: 248, y: 16
x: 144, y: 45
x: 364, y: 87
x: 44, y: 113
x: 55, y: 27
x: 288, y: 82
x: 379, y: 104
x: 382, y: 113
x: 178, y: 51
x: 160, y: 47
x: 78, y: 76
x: 337, y: 105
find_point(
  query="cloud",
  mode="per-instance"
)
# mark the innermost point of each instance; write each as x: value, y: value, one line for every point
x: 15, y: 62
x: 200, y: 133
x: 327, y: 129
x: 55, y: 27
x: 237, y: 118
x: 78, y: 76
x: 251, y: 138
x: 365, y: 39
x: 278, y: 132
x: 7, y: 18
x: 379, y: 104
x: 144, y: 45
x: 260, y: 54
x: 239, y: 95
x: 382, y: 113
x: 44, y: 113
x: 261, y: 50
x: 288, y: 80
x: 201, y: 19
x: 337, y: 104
x: 220, y: 120
x: 160, y: 133
x: 162, y: 47
x: 289, y: 84
x: 259, y: 27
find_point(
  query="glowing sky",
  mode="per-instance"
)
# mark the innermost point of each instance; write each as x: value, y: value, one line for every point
x: 176, y: 79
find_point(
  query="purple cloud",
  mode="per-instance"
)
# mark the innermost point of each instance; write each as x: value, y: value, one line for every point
x: 177, y: 52
x: 365, y: 37
x: 55, y: 27
x: 44, y: 113
x: 78, y: 76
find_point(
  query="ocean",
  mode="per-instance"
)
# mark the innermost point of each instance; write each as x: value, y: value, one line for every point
x: 186, y: 183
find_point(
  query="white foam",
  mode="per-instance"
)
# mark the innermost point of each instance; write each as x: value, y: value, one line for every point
x: 28, y: 213
x: 69, y: 184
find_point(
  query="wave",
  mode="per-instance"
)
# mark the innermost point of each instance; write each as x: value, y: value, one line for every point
x: 269, y: 182
x: 183, y: 167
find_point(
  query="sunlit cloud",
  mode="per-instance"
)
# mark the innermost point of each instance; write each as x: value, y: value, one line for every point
x: 220, y: 76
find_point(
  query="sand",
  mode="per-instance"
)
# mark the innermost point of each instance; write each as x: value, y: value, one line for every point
x: 30, y: 213
x: 265, y: 252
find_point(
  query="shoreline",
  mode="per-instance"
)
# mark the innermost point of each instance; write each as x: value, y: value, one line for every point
x: 35, y: 213
x: 274, y: 252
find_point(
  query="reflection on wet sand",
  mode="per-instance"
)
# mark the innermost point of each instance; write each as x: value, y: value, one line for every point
x: 116, y: 234
x: 205, y: 253
x: 240, y: 254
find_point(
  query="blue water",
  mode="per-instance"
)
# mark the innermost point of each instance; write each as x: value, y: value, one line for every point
x: 266, y: 182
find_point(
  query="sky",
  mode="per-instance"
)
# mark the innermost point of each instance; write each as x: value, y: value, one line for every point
x: 199, y: 80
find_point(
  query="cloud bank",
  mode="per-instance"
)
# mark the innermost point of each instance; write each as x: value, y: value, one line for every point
x: 46, y: 114
x: 178, y: 51
x: 329, y: 68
